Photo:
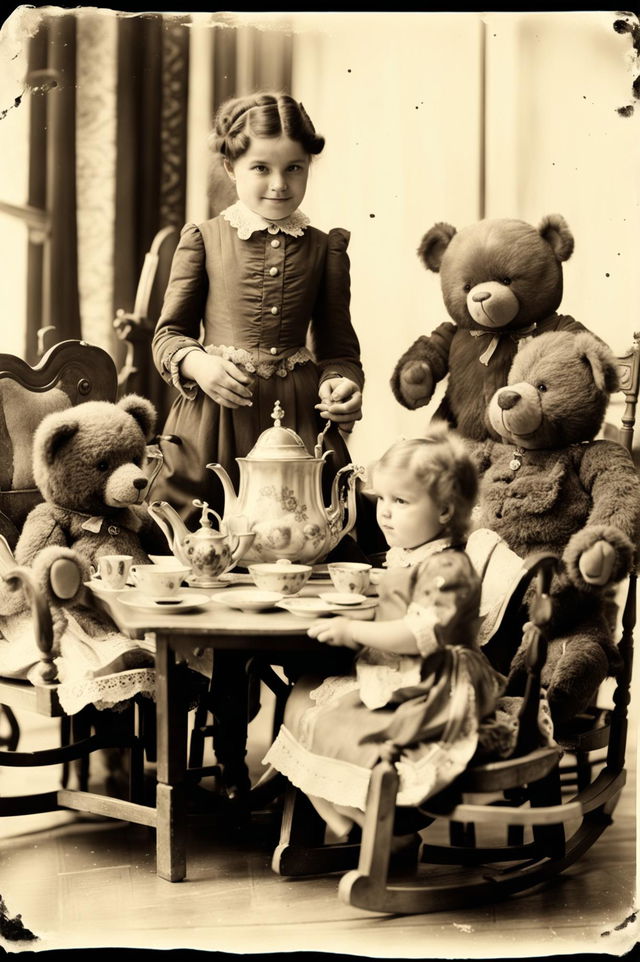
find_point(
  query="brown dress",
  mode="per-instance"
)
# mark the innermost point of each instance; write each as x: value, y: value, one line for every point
x: 275, y: 303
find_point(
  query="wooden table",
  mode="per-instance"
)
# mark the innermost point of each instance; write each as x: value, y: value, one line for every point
x: 210, y: 626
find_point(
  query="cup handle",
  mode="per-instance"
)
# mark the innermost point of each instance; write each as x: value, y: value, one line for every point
x: 93, y: 571
x: 133, y: 571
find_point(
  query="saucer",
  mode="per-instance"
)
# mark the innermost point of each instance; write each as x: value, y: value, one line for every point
x: 97, y: 585
x: 343, y: 598
x: 194, y: 583
x: 183, y: 600
x: 250, y: 599
x: 317, y: 607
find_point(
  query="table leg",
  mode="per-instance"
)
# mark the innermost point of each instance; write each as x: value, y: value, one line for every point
x: 171, y: 823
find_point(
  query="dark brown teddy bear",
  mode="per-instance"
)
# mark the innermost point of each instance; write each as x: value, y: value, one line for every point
x: 548, y: 486
x: 501, y: 283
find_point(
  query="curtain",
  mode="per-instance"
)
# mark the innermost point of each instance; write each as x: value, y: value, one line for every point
x: 53, y: 272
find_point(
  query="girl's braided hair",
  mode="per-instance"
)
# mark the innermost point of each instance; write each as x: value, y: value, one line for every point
x: 262, y: 114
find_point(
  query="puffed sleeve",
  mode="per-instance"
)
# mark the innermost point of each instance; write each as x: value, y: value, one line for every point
x: 445, y: 604
x: 334, y: 342
x: 178, y: 329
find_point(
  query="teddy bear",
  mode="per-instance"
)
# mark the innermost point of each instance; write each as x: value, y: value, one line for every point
x: 88, y: 465
x: 501, y: 282
x: 549, y: 486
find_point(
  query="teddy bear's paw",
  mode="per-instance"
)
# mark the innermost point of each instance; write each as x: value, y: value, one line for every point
x: 65, y: 578
x: 576, y: 679
x: 60, y: 573
x: 416, y: 383
x: 596, y: 564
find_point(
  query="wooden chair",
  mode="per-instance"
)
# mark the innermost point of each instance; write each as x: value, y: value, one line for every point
x: 562, y: 797
x: 136, y: 327
x: 70, y: 373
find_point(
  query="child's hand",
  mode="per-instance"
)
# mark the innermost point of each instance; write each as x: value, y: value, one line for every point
x: 333, y: 631
x: 340, y: 401
x: 220, y: 379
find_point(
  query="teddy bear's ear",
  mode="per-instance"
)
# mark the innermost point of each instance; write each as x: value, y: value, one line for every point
x: 56, y: 438
x: 600, y: 359
x: 555, y: 231
x: 434, y: 244
x: 142, y: 411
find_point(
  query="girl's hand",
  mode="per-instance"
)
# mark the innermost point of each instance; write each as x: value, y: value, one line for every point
x: 221, y: 380
x: 340, y: 401
x: 333, y: 631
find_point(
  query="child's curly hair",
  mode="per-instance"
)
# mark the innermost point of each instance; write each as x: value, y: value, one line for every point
x: 440, y: 462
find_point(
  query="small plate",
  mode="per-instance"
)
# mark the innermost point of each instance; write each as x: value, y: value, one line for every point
x: 317, y: 607
x: 343, y: 598
x: 184, y: 600
x: 194, y: 583
x: 101, y: 589
x: 249, y: 599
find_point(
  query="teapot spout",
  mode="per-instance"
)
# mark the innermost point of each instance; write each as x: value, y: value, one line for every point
x: 172, y: 526
x: 230, y: 496
x: 342, y: 502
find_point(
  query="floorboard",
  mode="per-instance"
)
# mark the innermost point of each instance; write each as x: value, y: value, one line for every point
x: 78, y: 882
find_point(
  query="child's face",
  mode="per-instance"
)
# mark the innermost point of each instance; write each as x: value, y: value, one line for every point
x: 406, y: 513
x: 271, y: 177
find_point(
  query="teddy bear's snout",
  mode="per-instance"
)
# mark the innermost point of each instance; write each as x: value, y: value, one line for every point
x: 492, y: 304
x: 508, y: 399
x: 127, y: 485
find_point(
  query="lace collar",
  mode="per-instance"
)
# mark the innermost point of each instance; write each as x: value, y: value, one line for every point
x: 247, y: 222
x: 408, y: 557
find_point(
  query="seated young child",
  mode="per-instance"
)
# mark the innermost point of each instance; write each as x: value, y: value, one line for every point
x: 419, y: 679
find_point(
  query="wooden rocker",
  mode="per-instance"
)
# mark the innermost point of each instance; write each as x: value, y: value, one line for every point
x: 501, y: 798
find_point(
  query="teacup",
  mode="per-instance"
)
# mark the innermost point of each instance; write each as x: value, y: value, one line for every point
x: 158, y: 582
x: 352, y: 576
x: 113, y: 570
x: 281, y: 575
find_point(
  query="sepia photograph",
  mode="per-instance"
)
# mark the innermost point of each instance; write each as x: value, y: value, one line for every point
x: 319, y: 482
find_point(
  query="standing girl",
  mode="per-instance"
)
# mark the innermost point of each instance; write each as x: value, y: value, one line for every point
x: 419, y: 681
x: 256, y: 310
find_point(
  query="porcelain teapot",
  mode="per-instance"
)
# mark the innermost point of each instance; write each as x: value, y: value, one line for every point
x: 207, y: 552
x: 280, y: 498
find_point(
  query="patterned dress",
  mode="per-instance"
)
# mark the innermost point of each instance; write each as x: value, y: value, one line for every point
x: 429, y: 704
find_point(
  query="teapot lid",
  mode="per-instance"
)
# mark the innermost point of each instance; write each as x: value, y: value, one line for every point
x: 278, y: 443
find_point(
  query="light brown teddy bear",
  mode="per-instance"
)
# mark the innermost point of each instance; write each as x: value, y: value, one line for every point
x: 548, y: 486
x: 88, y: 463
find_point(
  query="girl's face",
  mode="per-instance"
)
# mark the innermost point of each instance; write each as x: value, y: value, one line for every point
x: 406, y: 513
x: 271, y: 177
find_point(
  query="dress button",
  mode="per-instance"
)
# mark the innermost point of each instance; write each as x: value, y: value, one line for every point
x: 274, y: 310
x: 273, y: 350
x: 273, y: 271
x: 275, y: 243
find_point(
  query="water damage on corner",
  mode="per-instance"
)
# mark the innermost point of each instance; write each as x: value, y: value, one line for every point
x: 627, y: 22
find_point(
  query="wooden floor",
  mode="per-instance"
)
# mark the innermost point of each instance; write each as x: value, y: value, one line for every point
x: 81, y: 883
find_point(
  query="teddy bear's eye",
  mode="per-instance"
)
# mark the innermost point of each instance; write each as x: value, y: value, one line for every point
x: 506, y: 281
x: 466, y: 288
x: 541, y: 386
x: 102, y: 465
